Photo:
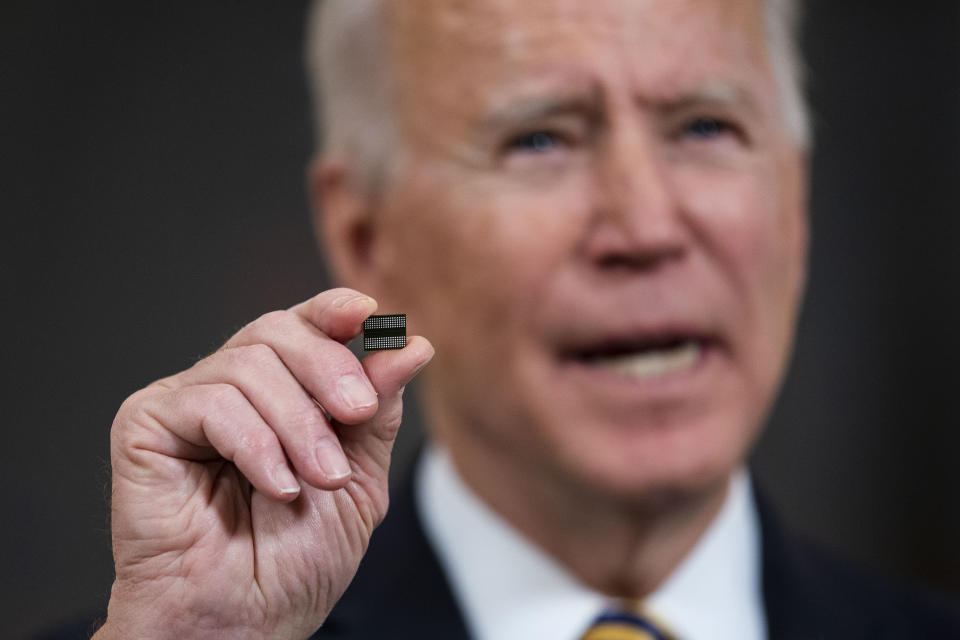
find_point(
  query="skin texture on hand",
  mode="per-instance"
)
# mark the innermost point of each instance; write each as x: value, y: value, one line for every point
x: 246, y: 488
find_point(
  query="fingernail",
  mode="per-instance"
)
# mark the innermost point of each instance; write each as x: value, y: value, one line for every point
x: 352, y: 299
x: 366, y: 302
x: 285, y: 481
x: 356, y: 392
x: 331, y: 460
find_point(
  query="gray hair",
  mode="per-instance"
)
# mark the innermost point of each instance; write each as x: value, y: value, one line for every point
x: 783, y: 35
x: 352, y: 87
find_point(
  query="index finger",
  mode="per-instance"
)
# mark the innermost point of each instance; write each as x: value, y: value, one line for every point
x: 339, y: 313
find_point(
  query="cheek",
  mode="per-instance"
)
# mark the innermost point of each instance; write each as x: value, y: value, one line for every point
x: 749, y: 224
x: 746, y: 229
x: 486, y: 249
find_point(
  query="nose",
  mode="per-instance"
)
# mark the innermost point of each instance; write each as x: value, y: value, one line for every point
x: 636, y: 220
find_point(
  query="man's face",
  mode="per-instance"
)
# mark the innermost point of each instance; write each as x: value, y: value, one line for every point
x: 597, y: 219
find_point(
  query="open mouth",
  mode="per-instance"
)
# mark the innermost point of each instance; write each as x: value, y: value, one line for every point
x: 645, y: 359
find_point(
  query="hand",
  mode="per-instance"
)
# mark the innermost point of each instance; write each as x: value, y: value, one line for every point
x: 246, y: 488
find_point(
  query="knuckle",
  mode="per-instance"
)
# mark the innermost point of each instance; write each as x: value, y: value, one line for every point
x: 274, y: 322
x: 308, y: 418
x: 131, y: 404
x: 132, y: 412
x: 261, y: 329
x: 138, y: 421
x: 223, y: 399
x: 256, y: 444
x: 332, y: 361
x: 255, y: 356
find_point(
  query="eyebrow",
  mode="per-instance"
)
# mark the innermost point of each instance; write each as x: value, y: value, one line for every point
x: 532, y: 109
x: 722, y: 94
x: 512, y: 113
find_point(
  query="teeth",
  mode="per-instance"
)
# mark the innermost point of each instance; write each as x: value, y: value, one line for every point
x: 653, y: 363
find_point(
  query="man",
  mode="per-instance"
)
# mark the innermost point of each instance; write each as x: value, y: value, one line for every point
x: 595, y: 211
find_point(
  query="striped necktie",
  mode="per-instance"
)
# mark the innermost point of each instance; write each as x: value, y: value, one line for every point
x: 624, y: 626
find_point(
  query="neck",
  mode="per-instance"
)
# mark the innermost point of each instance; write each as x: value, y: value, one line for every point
x: 624, y: 547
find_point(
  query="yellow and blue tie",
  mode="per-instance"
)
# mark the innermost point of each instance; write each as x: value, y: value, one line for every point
x: 624, y: 626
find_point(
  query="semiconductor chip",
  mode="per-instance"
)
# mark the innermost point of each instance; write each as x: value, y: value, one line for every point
x: 385, y: 332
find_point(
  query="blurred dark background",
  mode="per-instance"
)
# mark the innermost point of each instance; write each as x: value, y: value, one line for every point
x: 152, y: 202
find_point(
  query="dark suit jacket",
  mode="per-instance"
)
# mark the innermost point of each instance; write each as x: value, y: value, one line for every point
x: 401, y: 592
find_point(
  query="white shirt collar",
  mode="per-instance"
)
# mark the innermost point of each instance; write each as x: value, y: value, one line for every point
x: 509, y: 589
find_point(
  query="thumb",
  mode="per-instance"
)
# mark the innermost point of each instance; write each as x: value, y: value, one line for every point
x: 389, y: 372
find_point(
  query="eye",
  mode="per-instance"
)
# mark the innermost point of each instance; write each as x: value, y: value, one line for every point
x: 707, y: 128
x: 535, y: 142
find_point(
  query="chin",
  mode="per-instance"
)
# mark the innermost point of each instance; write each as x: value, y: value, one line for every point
x: 657, y: 462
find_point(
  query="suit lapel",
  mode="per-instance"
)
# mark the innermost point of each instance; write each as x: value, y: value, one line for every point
x: 808, y: 595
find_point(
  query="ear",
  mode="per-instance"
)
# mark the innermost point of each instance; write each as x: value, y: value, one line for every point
x: 342, y: 220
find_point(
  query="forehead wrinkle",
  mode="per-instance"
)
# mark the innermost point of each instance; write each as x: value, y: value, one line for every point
x: 732, y: 72
x: 512, y: 29
x: 481, y: 57
x: 506, y: 28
